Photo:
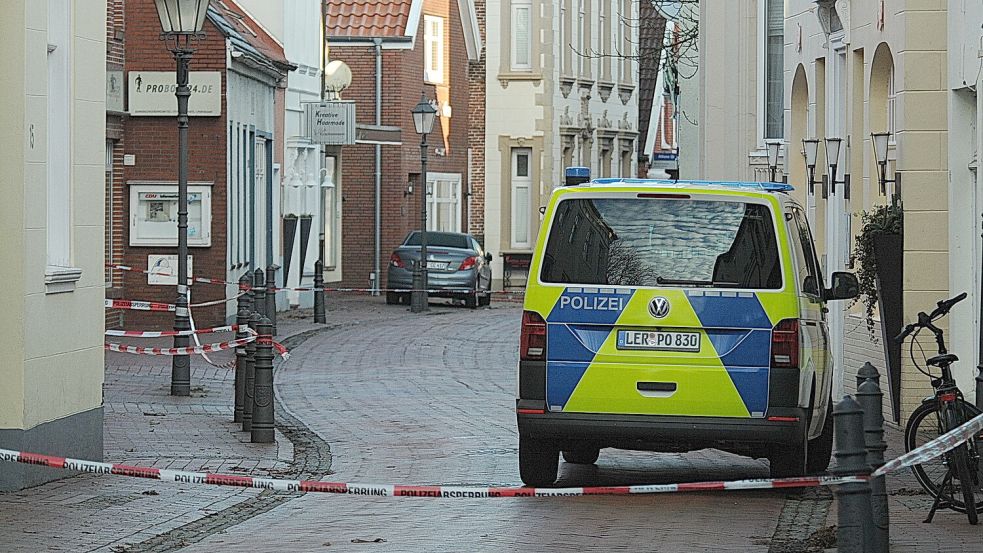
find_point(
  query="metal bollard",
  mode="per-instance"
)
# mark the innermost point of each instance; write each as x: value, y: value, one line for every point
x: 262, y: 430
x: 259, y: 293
x: 868, y: 372
x: 242, y: 319
x: 319, y: 316
x: 869, y: 396
x: 979, y: 386
x: 853, y: 500
x: 248, y: 389
x: 271, y: 295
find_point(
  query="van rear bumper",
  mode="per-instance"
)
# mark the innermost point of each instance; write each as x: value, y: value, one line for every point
x: 667, y: 433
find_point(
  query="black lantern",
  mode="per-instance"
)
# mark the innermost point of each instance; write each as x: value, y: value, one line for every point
x: 423, y: 118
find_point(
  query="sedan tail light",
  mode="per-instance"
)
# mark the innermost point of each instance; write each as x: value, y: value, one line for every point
x: 532, y: 337
x: 468, y: 263
x: 396, y: 261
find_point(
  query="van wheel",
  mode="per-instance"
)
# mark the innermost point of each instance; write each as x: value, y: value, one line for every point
x: 582, y: 455
x: 788, y: 460
x: 538, y: 462
x: 392, y: 298
x: 821, y: 448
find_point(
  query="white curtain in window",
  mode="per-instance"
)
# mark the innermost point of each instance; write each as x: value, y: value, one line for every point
x: 433, y: 46
x: 521, y: 36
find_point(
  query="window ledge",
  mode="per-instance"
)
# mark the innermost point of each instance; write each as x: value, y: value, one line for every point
x: 58, y: 280
x: 505, y: 77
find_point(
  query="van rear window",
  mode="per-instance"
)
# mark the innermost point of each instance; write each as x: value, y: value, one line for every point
x: 662, y: 242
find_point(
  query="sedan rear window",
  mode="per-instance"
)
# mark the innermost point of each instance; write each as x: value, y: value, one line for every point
x: 662, y: 242
x: 440, y: 239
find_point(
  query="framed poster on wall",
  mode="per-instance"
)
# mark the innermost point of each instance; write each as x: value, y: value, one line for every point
x: 153, y: 214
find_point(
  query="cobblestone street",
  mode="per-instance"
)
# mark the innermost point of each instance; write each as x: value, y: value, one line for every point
x: 401, y: 398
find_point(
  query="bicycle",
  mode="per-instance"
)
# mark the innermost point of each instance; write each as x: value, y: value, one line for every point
x: 937, y: 415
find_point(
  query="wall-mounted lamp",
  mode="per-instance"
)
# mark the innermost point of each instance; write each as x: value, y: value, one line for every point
x: 774, y: 148
x: 408, y: 190
x: 832, y: 157
x: 810, y: 149
x: 880, y: 142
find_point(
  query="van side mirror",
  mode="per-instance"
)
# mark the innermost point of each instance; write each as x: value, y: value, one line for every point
x: 488, y: 257
x: 843, y: 286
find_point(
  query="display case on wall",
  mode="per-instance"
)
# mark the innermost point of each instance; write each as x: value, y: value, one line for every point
x: 153, y: 214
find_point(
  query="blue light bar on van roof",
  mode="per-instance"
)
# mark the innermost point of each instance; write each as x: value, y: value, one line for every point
x: 763, y: 186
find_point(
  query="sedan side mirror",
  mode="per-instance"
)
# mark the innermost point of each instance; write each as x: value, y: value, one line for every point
x: 844, y: 286
x: 488, y: 257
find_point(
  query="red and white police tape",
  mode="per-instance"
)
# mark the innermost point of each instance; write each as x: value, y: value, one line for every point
x: 205, y: 348
x: 924, y: 453
x: 163, y: 333
x: 140, y: 305
x: 164, y: 274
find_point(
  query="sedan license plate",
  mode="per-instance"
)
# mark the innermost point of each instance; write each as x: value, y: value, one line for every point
x: 658, y: 340
x: 440, y: 265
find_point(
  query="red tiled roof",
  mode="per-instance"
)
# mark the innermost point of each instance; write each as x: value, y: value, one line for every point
x: 367, y: 18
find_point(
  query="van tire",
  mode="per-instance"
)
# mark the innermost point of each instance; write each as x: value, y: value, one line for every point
x: 538, y: 462
x: 821, y: 448
x: 789, y: 460
x: 392, y: 298
x: 581, y: 455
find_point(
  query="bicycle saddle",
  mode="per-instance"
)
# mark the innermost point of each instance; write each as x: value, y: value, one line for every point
x: 940, y: 360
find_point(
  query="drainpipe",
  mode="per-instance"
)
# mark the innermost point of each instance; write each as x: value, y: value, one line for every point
x: 378, y: 166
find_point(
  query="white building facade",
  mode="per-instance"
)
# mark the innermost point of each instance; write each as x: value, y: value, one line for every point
x: 52, y: 362
x: 559, y: 94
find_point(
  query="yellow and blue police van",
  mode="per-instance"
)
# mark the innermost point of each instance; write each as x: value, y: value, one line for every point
x: 675, y: 316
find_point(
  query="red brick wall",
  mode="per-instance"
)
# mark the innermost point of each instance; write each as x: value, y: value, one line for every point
x: 115, y: 27
x: 476, y: 133
x: 401, y: 86
x: 153, y: 140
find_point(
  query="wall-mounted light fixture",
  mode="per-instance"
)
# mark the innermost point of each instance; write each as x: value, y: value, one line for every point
x: 832, y: 157
x: 774, y: 148
x: 810, y: 149
x: 879, y: 140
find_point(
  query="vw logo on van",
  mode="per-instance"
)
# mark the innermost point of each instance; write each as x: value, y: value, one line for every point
x: 659, y: 307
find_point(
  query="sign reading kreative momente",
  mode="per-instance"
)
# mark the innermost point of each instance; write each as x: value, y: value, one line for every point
x: 331, y: 122
x: 151, y: 93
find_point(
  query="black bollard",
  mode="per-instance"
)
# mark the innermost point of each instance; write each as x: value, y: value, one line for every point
x: 259, y: 293
x: 319, y: 316
x: 242, y: 319
x: 869, y: 396
x: 868, y: 372
x: 271, y: 295
x: 248, y: 392
x: 262, y: 428
x: 853, y: 500
x: 979, y: 386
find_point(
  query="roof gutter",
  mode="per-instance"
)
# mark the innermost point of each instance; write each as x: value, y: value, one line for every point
x: 386, y: 42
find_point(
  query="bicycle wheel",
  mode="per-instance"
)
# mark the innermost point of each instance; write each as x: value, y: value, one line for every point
x: 925, y: 425
x: 959, y: 457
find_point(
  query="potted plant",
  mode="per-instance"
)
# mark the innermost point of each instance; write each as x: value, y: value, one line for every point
x: 879, y: 253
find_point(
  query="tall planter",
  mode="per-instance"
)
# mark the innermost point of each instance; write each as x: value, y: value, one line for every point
x: 888, y: 250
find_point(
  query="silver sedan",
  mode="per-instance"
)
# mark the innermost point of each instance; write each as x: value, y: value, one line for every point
x: 457, y: 267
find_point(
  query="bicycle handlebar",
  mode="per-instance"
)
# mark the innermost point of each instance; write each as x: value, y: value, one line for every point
x: 925, y: 321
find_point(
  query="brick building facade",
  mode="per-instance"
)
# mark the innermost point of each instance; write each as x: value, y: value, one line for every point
x: 115, y: 191
x: 152, y: 143
x: 399, y: 27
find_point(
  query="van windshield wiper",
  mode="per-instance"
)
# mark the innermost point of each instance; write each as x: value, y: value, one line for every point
x: 708, y: 283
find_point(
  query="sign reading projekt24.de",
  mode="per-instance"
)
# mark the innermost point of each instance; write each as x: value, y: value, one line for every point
x: 151, y: 93
x: 331, y: 122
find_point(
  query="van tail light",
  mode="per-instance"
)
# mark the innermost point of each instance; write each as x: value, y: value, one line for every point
x: 468, y: 263
x: 396, y: 261
x: 785, y: 345
x: 532, y: 338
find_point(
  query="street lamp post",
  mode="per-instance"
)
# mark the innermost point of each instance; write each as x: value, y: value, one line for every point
x: 810, y: 149
x: 181, y: 22
x: 423, y: 118
x: 774, y: 148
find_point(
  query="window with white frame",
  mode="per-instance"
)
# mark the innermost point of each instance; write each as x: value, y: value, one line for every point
x: 444, y: 202
x: 521, y: 196
x: 521, y: 35
x: 59, y: 158
x: 433, y: 48
x: 774, y: 35
x: 329, y: 189
x: 564, y: 30
x: 891, y: 104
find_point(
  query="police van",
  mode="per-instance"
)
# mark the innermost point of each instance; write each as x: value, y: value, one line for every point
x: 674, y: 316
